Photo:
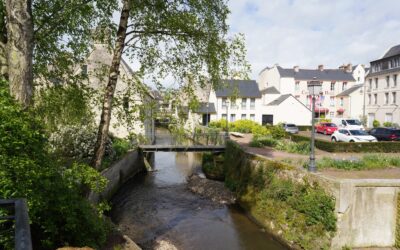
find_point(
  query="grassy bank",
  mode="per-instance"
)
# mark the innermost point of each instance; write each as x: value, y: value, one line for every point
x: 363, y: 163
x: 281, y: 198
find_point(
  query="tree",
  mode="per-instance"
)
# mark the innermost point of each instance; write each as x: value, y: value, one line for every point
x: 178, y: 38
x: 46, y: 32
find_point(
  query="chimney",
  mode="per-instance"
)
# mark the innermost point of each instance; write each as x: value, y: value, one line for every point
x: 349, y: 68
x: 296, y: 68
x: 342, y: 67
x: 321, y: 67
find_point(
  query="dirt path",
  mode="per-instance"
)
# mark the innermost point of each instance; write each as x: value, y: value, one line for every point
x: 299, y: 160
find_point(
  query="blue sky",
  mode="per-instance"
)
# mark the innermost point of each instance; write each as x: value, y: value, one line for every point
x: 312, y: 32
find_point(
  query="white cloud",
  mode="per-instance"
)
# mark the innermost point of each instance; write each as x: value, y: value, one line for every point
x: 312, y: 32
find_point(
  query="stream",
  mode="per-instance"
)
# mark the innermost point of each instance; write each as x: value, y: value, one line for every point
x: 157, y: 207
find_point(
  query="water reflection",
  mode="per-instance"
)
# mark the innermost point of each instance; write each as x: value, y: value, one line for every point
x: 158, y: 205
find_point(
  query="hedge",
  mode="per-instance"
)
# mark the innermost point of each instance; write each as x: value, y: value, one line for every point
x: 367, y: 147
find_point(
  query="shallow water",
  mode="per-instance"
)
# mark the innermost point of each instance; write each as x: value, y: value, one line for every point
x: 158, y: 206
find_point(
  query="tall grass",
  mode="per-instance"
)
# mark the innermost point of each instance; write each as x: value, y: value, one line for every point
x: 375, y: 161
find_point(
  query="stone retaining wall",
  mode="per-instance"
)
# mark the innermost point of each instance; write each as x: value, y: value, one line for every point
x: 118, y: 173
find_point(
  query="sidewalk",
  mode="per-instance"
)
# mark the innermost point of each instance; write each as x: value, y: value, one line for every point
x: 298, y: 160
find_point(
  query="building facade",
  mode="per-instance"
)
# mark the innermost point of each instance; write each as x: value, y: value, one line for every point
x: 382, y: 88
x: 294, y: 81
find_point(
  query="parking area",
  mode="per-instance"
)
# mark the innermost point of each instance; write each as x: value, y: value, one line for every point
x: 317, y: 135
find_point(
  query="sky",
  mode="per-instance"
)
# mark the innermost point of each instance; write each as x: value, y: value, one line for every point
x: 312, y: 32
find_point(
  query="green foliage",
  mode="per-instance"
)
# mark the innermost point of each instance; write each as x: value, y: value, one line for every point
x: 241, y: 126
x: 388, y: 124
x: 366, y: 162
x: 362, y: 147
x: 302, y: 211
x: 376, y: 123
x: 302, y: 147
x: 58, y: 212
x: 62, y: 106
x: 277, y: 132
x: 260, y: 141
x: 220, y: 124
x: 212, y: 166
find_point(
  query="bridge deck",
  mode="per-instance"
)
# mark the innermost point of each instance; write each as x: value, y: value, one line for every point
x: 180, y: 148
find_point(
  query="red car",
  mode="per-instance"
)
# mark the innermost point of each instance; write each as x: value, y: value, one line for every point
x: 326, y: 128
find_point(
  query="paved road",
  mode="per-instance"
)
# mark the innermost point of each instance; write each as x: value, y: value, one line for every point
x: 317, y: 135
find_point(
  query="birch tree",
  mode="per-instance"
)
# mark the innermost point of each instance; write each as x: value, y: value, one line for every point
x: 179, y: 38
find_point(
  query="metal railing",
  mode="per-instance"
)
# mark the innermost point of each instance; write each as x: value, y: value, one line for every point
x: 15, y: 216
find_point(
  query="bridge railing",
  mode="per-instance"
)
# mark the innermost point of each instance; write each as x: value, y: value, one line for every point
x: 14, y: 217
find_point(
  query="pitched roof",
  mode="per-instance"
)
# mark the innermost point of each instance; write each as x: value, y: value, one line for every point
x: 279, y: 100
x: 204, y: 110
x: 393, y: 51
x: 350, y: 90
x: 322, y: 75
x: 245, y: 88
x: 270, y: 90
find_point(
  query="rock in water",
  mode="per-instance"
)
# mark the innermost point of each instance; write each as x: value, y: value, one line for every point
x: 214, y: 190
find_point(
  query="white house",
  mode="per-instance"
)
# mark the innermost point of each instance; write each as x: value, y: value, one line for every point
x: 353, y: 100
x: 383, y: 87
x: 95, y: 68
x: 294, y: 81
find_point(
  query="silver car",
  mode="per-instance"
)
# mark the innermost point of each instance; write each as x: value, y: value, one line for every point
x: 290, y: 128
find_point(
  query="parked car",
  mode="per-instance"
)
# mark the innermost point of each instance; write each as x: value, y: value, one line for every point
x: 347, y: 135
x: 290, y: 128
x: 326, y: 128
x: 385, y: 134
x: 348, y: 123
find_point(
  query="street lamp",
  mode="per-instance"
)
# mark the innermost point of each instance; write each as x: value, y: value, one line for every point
x: 227, y: 126
x: 314, y: 88
x: 208, y: 105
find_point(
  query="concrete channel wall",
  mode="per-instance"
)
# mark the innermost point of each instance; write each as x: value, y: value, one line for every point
x: 366, y: 210
x: 118, y: 173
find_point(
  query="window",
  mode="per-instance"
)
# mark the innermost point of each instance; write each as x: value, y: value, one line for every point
x: 331, y: 114
x: 388, y: 117
x: 375, y: 99
x: 224, y: 116
x: 394, y: 80
x: 358, y: 79
x: 369, y: 99
x: 394, y: 97
x: 332, y: 86
x: 224, y: 102
x: 243, y: 117
x: 376, y: 83
x: 252, y: 103
x: 341, y: 101
x: 332, y: 101
x: 252, y: 117
x: 386, y: 98
x: 387, y: 81
x: 297, y: 85
x: 233, y: 104
x: 233, y: 117
x: 244, y: 103
x: 344, y: 86
x: 370, y: 84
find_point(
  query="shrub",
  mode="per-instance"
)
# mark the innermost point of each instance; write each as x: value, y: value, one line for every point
x: 221, y: 124
x: 366, y: 162
x: 383, y: 147
x: 376, y: 123
x: 59, y: 214
x: 293, y: 147
x: 260, y: 141
x: 387, y: 124
x: 212, y: 166
x: 277, y: 132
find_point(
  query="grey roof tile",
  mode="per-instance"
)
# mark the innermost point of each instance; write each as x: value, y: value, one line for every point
x: 246, y: 88
x: 393, y: 51
x: 270, y: 90
x: 203, y: 108
x: 323, y: 75
x: 350, y: 90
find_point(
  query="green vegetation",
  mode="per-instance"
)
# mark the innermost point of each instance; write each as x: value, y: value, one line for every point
x: 299, y: 211
x: 286, y: 145
x: 241, y: 126
x: 366, y: 162
x: 213, y: 166
x: 59, y: 213
x: 376, y: 123
x: 397, y: 240
x: 359, y: 147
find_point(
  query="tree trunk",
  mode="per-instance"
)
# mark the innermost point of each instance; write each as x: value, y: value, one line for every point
x: 20, y: 49
x: 104, y: 125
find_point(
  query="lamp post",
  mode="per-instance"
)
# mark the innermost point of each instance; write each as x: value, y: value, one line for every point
x: 227, y: 126
x: 208, y: 105
x: 314, y: 88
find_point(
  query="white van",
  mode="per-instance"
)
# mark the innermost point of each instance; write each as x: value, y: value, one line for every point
x: 348, y: 123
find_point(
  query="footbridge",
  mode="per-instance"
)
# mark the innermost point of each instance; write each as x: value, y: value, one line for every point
x: 181, y: 148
